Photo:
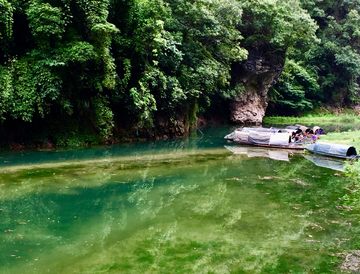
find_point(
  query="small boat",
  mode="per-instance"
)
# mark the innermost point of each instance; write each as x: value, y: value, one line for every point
x: 333, y: 150
x: 264, y: 139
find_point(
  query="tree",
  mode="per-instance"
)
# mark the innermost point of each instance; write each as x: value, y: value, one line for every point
x: 334, y: 62
x: 183, y: 52
x: 69, y: 62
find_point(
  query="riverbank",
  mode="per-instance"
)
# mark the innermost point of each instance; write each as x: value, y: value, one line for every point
x: 352, y: 168
x: 350, y: 201
x: 348, y: 137
x: 325, y: 117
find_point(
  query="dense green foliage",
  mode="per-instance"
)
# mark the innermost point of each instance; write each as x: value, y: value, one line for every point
x: 102, y: 61
x: 110, y: 63
x: 327, y: 72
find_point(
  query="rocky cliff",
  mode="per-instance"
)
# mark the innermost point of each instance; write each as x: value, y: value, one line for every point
x: 256, y: 74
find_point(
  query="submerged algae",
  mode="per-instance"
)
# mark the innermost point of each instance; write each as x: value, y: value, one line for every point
x: 170, y: 213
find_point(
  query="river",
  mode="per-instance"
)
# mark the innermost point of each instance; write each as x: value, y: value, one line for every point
x: 197, y: 205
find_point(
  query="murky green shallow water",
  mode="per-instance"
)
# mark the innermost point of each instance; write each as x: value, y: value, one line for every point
x: 171, y: 207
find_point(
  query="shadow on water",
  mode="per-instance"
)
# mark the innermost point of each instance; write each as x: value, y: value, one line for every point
x: 211, y: 137
x: 207, y: 138
x: 183, y: 206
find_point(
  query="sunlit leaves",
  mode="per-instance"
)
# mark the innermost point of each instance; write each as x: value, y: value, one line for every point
x: 102, y: 31
x: 337, y: 55
x: 293, y: 25
x: 352, y: 26
x: 6, y: 18
x: 144, y: 102
x: 28, y: 88
x: 280, y: 23
x: 45, y: 19
x: 211, y: 41
x: 96, y: 11
x: 104, y: 116
x: 76, y: 52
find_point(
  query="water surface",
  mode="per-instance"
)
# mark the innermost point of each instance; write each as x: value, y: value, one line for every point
x: 183, y: 206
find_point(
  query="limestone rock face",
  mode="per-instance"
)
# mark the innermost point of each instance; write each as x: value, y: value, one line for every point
x: 256, y: 74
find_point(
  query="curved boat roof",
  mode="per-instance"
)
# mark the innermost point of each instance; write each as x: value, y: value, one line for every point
x: 337, y: 150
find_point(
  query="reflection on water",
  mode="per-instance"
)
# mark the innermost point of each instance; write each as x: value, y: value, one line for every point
x: 175, y: 208
x: 328, y: 162
x: 283, y: 155
x: 213, y: 138
x: 272, y: 153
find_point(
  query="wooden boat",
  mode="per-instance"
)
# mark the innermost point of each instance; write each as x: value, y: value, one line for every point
x: 264, y: 139
x: 333, y: 150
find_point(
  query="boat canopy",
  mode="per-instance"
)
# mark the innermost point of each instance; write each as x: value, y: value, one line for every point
x: 296, y: 127
x: 334, y: 149
x: 278, y: 139
x: 257, y: 129
x: 262, y: 138
x: 277, y: 129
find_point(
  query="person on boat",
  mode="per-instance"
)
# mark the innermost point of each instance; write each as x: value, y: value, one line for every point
x: 297, y: 137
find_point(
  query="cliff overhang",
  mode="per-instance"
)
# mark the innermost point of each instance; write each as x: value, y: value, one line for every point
x: 256, y: 75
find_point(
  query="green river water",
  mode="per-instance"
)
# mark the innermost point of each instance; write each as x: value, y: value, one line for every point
x: 180, y: 206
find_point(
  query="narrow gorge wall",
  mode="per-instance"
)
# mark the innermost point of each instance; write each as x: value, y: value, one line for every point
x: 257, y: 74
